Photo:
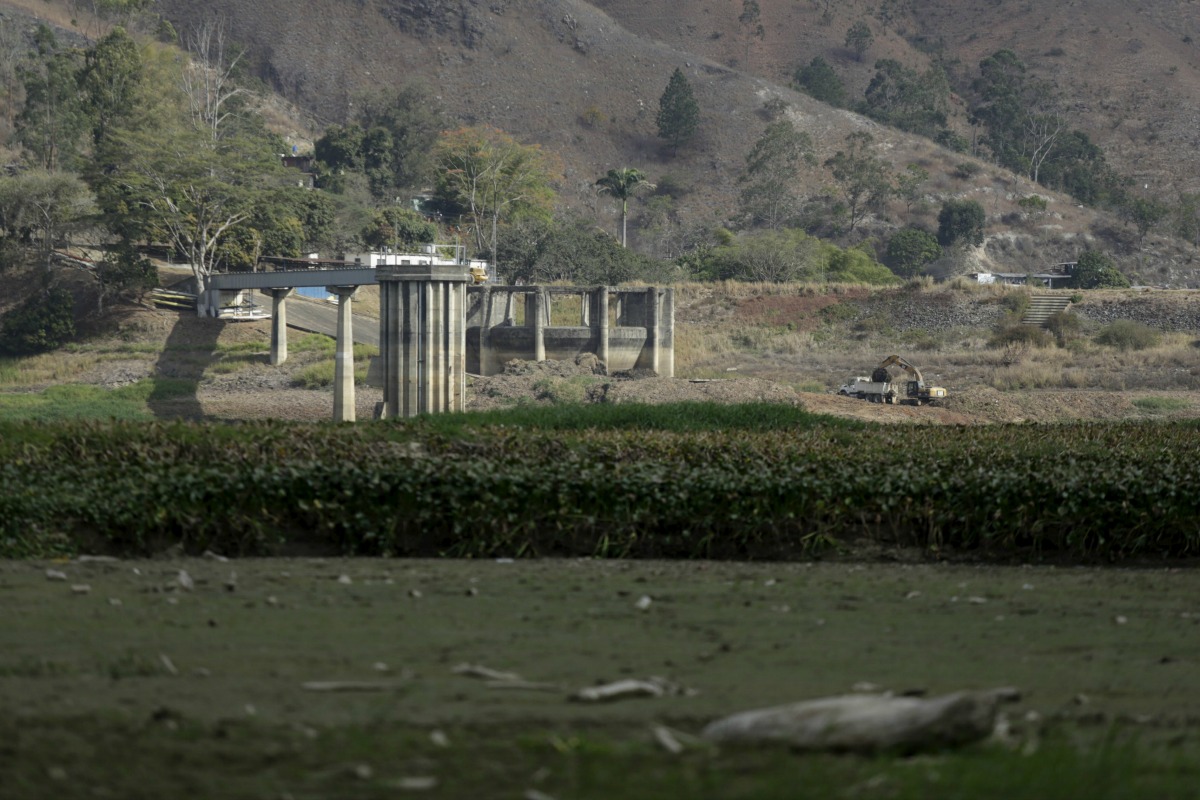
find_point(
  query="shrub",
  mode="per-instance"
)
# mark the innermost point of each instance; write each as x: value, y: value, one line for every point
x: 1019, y: 335
x: 1064, y: 326
x: 1125, y: 334
x: 966, y: 170
x: 44, y: 321
x: 1032, y: 204
x: 1094, y: 270
x: 1016, y: 302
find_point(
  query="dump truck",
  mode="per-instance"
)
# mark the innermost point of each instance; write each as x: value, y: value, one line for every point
x: 879, y: 388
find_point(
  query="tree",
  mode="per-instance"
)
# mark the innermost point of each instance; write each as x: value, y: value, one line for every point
x: 41, y: 205
x: 820, y: 82
x: 772, y: 175
x: 176, y: 185
x: 401, y: 128
x: 859, y: 39
x: 774, y: 256
x: 751, y: 21
x: 53, y: 120
x: 122, y: 271
x: 900, y: 97
x: 678, y: 112
x: 623, y: 184
x: 1144, y: 212
x: 398, y: 227
x: 213, y: 96
x: 1094, y: 270
x: 960, y: 222
x: 910, y: 183
x: 43, y: 321
x: 489, y: 177
x: 910, y: 250
x: 1187, y: 217
x: 109, y: 82
x: 864, y: 180
x: 548, y: 250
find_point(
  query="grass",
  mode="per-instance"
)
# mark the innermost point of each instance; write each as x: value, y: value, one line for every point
x: 322, y: 373
x: 244, y: 758
x: 1161, y: 405
x: 74, y: 401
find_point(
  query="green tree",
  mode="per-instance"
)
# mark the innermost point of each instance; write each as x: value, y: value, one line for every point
x: 900, y: 97
x: 1187, y: 217
x: 1144, y: 213
x: 910, y: 185
x: 548, y: 250
x: 863, y: 179
x: 123, y: 271
x: 859, y: 39
x: 622, y: 184
x: 774, y: 256
x: 37, y: 207
x: 398, y: 227
x: 961, y: 222
x: 772, y: 175
x: 488, y: 178
x: 819, y: 81
x: 43, y: 321
x: 678, y: 112
x: 52, y: 122
x: 109, y: 82
x: 1095, y: 270
x: 910, y: 250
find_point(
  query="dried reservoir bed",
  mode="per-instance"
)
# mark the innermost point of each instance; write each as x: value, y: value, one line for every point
x: 156, y: 677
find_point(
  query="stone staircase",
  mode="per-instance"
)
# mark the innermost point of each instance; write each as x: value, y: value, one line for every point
x: 1042, y: 307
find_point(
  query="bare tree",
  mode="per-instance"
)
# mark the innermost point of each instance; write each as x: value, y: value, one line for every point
x: 207, y: 80
x: 1043, y: 131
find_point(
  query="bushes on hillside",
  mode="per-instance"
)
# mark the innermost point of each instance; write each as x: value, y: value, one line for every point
x: 1126, y: 334
x: 44, y: 321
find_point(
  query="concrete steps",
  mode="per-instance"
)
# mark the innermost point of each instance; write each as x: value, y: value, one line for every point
x: 1042, y: 307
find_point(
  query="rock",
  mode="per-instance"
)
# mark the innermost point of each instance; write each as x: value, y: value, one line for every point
x: 868, y: 723
x: 81, y: 588
x: 55, y: 575
x: 185, y: 581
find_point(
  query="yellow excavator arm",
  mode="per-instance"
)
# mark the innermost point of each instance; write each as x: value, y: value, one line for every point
x: 897, y: 361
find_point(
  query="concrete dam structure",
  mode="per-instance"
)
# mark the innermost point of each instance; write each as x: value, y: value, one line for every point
x: 626, y: 329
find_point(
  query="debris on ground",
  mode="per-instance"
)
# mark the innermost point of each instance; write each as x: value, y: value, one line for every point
x: 869, y: 723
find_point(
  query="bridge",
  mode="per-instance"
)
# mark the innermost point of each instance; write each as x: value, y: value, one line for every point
x: 434, y: 327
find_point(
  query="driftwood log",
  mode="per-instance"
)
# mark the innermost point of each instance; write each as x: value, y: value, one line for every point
x: 869, y: 722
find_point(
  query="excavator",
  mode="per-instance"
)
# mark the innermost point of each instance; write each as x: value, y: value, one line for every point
x: 916, y: 389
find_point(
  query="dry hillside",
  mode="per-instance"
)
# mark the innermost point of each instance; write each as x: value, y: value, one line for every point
x: 583, y: 79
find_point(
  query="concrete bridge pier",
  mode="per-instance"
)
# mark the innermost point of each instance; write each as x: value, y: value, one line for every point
x: 422, y: 338
x: 343, y: 373
x: 279, y: 351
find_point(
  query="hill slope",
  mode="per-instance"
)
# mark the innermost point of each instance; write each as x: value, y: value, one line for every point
x: 584, y: 79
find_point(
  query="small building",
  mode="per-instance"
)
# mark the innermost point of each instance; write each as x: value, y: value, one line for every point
x: 1057, y: 277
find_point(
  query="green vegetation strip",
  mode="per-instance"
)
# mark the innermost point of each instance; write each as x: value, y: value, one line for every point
x: 703, y: 481
x: 244, y: 759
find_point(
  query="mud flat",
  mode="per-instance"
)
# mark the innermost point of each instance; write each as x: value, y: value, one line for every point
x: 368, y: 677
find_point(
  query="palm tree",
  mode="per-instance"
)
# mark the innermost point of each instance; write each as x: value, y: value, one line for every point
x: 621, y: 184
